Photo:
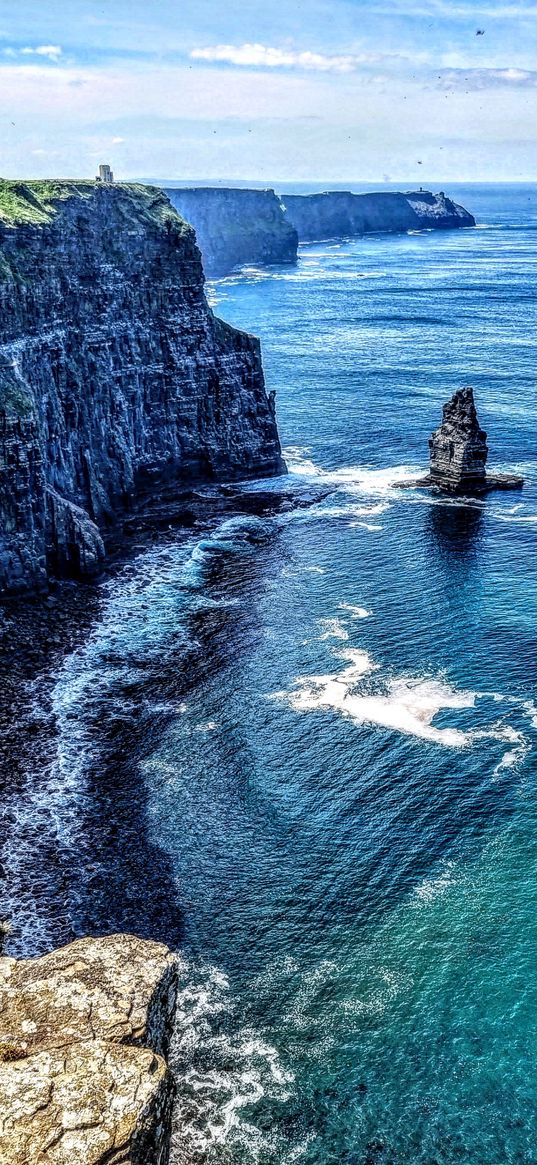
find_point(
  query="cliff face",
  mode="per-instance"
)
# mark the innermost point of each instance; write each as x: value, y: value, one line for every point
x: 117, y: 383
x: 340, y: 214
x: 234, y: 227
x: 84, y: 1033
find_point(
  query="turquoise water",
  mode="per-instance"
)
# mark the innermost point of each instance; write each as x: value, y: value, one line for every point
x: 330, y: 793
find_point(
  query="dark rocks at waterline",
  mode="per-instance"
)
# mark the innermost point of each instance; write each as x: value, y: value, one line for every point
x: 458, y: 452
x: 118, y: 386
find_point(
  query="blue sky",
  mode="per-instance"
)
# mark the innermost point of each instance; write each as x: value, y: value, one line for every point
x: 345, y: 90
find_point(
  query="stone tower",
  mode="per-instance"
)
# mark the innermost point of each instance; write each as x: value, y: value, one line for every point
x: 458, y: 448
x: 105, y: 174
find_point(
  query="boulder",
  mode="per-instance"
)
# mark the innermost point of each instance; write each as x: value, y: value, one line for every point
x: 84, y: 1032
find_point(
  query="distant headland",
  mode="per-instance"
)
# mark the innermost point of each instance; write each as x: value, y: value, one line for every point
x: 237, y: 226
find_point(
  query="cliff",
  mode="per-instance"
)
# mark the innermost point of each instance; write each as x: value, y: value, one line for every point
x: 340, y: 214
x: 117, y: 383
x: 84, y: 1033
x: 236, y: 227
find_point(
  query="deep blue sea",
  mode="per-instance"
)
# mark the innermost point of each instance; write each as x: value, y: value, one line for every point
x: 339, y: 798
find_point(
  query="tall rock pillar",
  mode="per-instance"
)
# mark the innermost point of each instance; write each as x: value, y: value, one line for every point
x: 458, y: 448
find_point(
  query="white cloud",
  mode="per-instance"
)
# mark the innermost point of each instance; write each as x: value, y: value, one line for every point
x: 52, y: 51
x: 116, y: 141
x: 267, y: 57
x: 447, y: 9
x: 470, y: 79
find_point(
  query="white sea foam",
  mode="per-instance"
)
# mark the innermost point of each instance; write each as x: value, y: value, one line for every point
x: 224, y: 1068
x: 406, y: 705
x: 436, y: 885
x: 361, y: 479
x: 292, y: 572
x: 332, y: 629
x: 527, y: 519
x: 366, y: 526
x: 355, y: 612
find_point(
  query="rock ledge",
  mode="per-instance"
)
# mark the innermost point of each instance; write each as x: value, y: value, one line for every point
x: 84, y: 1032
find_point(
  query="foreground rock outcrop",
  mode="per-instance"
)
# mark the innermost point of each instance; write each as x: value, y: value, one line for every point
x: 458, y: 452
x: 235, y: 227
x: 341, y: 214
x: 117, y: 383
x: 84, y: 1032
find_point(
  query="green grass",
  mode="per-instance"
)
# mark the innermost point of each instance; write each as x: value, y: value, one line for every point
x: 38, y: 201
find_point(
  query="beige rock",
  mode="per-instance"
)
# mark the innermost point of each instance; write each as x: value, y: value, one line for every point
x: 118, y: 988
x: 76, y: 1086
x: 84, y: 1105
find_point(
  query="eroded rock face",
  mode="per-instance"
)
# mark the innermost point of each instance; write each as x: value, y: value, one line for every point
x: 341, y: 214
x: 458, y: 448
x: 118, y: 386
x: 84, y: 1032
x: 86, y: 1104
x: 234, y: 227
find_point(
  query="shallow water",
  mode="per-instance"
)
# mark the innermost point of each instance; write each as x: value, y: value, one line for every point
x: 325, y: 781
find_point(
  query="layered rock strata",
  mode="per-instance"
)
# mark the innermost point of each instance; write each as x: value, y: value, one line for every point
x: 341, y: 214
x: 237, y: 227
x: 458, y: 448
x: 84, y: 1033
x: 117, y: 383
x: 458, y: 452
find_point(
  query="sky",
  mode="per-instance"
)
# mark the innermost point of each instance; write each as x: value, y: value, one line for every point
x: 319, y: 90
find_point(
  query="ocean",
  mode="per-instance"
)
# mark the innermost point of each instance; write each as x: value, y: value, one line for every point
x: 303, y: 746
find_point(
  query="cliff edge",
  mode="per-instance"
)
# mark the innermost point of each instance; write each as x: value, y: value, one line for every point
x: 235, y: 227
x: 117, y: 383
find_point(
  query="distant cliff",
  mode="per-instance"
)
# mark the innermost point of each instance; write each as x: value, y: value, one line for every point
x: 340, y: 214
x: 236, y: 227
x: 117, y: 383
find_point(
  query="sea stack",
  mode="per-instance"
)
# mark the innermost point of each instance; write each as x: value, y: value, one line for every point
x: 458, y: 448
x: 459, y: 451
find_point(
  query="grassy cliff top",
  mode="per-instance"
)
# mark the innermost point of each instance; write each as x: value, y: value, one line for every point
x: 37, y: 201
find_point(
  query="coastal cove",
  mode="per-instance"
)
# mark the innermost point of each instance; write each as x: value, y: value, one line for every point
x: 296, y: 742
